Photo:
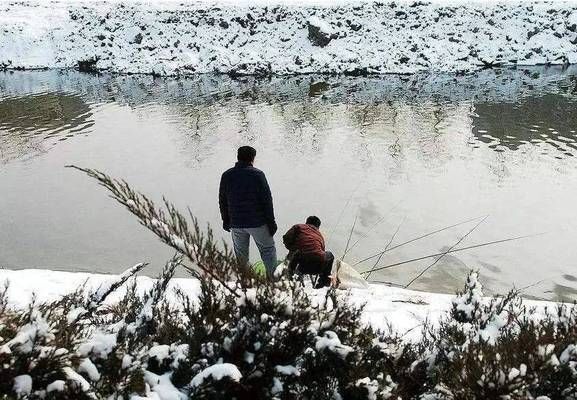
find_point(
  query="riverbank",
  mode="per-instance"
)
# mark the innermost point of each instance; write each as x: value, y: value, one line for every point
x: 285, y: 37
x: 111, y: 336
x: 386, y: 307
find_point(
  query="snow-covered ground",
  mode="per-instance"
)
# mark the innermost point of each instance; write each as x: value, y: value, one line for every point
x: 385, y: 307
x: 285, y: 36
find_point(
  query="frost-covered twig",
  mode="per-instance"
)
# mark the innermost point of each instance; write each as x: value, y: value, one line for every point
x: 173, y: 229
x: 99, y: 296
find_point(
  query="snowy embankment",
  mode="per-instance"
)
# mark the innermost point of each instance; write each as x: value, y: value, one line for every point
x: 282, y: 37
x: 273, y: 341
x: 385, y: 307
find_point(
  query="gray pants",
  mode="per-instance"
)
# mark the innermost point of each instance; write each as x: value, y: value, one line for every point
x: 264, y: 242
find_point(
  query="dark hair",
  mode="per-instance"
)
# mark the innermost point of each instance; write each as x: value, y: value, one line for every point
x: 246, y: 154
x: 313, y: 220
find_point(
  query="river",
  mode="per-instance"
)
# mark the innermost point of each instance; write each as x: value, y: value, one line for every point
x: 397, y: 153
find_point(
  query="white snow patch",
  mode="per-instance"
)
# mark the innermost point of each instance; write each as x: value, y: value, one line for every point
x: 99, y: 345
x: 89, y: 369
x: 22, y: 385
x: 56, y: 386
x: 323, y: 26
x: 78, y: 379
x: 277, y: 386
x: 162, y: 387
x: 217, y: 372
x: 287, y: 370
x: 160, y: 352
x: 372, y: 387
x: 74, y: 314
x: 24, y: 340
x: 331, y: 342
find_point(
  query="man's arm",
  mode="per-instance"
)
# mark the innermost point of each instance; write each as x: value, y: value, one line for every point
x: 290, y: 238
x: 223, y: 204
x: 266, y: 200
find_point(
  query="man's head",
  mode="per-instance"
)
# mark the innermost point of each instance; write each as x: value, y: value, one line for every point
x: 246, y: 154
x: 314, y: 221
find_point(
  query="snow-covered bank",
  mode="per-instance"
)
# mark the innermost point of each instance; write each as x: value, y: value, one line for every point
x: 272, y: 341
x: 401, y: 309
x: 168, y: 37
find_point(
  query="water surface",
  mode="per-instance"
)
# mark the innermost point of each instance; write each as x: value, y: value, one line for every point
x: 414, y: 153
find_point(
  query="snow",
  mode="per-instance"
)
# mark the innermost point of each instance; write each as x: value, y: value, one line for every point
x: 162, y: 387
x: 217, y: 372
x: 371, y: 386
x: 126, y: 361
x: 322, y: 25
x: 569, y: 354
x: 76, y: 377
x: 99, y: 345
x: 471, y: 299
x: 160, y: 352
x: 105, y: 287
x: 88, y: 367
x: 168, y: 37
x: 513, y: 373
x: 178, y: 353
x: 331, y: 342
x: 74, y: 314
x: 277, y: 386
x: 24, y: 340
x: 523, y: 370
x: 23, y: 385
x: 403, y: 310
x: 56, y: 386
x: 248, y: 357
x: 287, y: 370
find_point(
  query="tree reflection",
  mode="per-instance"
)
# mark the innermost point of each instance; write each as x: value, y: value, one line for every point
x: 377, y: 117
x: 28, y: 124
x: 547, y: 120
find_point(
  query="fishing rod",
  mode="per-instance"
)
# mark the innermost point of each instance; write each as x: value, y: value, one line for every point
x: 446, y: 252
x: 366, y: 234
x: 347, y: 251
x: 417, y: 238
x: 350, y: 235
x: 343, y: 211
x: 454, y: 251
x: 386, y: 247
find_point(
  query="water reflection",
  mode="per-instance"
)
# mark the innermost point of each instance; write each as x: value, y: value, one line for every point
x: 422, y: 151
x: 505, y: 108
x: 28, y: 122
x: 548, y: 121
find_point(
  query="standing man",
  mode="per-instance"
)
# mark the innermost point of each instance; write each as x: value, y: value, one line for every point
x: 307, y: 254
x: 246, y: 209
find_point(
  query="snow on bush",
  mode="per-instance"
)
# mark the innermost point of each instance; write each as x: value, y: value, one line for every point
x: 248, y: 338
x: 216, y: 372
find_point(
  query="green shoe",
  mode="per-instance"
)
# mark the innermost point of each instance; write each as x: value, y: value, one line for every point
x: 259, y: 268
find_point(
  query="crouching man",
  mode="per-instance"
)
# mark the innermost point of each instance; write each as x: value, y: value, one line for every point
x: 307, y: 254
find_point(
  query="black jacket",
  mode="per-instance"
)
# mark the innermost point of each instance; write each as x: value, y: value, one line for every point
x: 244, y: 198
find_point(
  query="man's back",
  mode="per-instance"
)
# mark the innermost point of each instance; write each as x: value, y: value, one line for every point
x: 305, y: 238
x: 307, y: 253
x: 245, y: 197
x: 246, y: 209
